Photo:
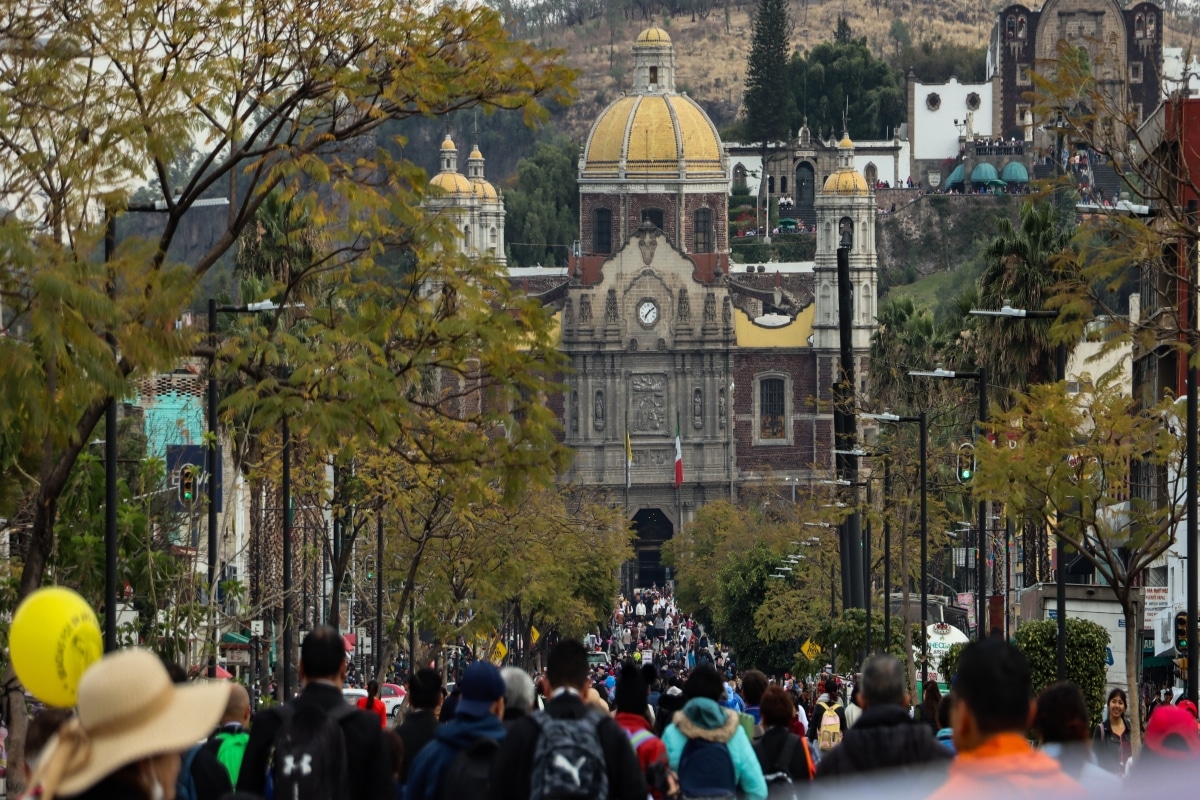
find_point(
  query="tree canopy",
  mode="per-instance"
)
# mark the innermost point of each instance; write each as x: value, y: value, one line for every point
x: 770, y: 106
x: 841, y: 80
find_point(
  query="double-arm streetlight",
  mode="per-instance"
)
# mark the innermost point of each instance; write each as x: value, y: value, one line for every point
x: 980, y: 377
x: 922, y: 421
x: 1060, y: 574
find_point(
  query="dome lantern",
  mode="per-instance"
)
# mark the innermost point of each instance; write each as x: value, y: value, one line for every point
x: 449, y: 155
x: 653, y: 63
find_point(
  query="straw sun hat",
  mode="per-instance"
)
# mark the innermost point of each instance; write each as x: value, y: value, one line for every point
x: 128, y: 710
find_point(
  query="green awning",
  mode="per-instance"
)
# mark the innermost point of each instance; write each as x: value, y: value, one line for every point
x: 983, y: 173
x: 234, y: 638
x: 956, y: 176
x: 1014, y: 172
x: 1157, y: 661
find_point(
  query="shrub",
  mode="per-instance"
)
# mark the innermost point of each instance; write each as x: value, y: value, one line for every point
x: 1087, y: 644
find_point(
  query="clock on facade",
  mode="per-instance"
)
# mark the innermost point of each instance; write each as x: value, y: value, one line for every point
x: 647, y: 312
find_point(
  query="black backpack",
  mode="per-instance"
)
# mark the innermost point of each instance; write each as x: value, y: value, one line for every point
x: 309, y: 762
x: 706, y: 770
x: 468, y: 773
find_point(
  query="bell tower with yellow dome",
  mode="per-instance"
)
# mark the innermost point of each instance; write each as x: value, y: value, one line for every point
x: 477, y: 208
x: 654, y: 158
x: 845, y: 211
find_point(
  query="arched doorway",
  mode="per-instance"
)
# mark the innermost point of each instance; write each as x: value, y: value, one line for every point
x: 653, y: 529
x: 806, y: 192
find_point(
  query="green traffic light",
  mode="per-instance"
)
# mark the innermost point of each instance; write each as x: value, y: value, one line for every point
x: 966, y: 474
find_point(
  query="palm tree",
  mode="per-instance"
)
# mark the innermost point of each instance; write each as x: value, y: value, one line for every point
x: 1023, y: 266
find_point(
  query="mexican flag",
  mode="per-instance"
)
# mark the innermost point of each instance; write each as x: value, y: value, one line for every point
x: 678, y: 456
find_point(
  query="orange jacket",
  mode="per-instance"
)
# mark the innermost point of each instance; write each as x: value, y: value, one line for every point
x: 1006, y: 766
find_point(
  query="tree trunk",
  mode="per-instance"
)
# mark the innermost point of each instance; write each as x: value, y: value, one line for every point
x: 1133, y: 649
x: 392, y: 649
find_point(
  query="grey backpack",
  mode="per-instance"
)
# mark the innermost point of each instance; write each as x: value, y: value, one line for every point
x: 568, y: 759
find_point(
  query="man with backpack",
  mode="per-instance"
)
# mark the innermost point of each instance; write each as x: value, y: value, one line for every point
x: 568, y: 750
x: 828, y: 719
x: 456, y: 764
x: 228, y: 742
x: 707, y: 746
x: 317, y: 746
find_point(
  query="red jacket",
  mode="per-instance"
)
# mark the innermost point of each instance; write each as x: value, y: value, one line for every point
x: 377, y: 706
x: 651, y: 748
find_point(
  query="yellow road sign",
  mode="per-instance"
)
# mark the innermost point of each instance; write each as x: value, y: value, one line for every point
x: 810, y: 649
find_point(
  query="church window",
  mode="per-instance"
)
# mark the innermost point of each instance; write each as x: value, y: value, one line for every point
x: 654, y: 216
x: 702, y: 221
x: 770, y: 184
x: 654, y: 74
x: 1151, y: 26
x: 771, y: 408
x: 783, y: 185
x: 1021, y: 27
x: 1139, y: 26
x: 1135, y: 72
x: 871, y: 174
x: 1023, y: 78
x: 739, y: 177
x: 602, y: 231
x: 1010, y: 27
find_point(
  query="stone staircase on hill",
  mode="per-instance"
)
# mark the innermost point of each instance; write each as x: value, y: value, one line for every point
x: 1106, y: 180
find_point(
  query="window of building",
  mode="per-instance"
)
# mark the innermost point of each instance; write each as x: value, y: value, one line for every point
x: 871, y: 174
x: 771, y: 409
x: 1022, y: 27
x: 770, y: 184
x: 602, y: 231
x: 654, y: 216
x: 1023, y: 75
x: 783, y: 185
x: 1139, y: 26
x: 702, y: 220
x: 1135, y: 72
x: 1151, y: 26
x: 654, y: 74
x: 1010, y: 27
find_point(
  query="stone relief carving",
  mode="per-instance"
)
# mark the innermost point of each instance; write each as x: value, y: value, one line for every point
x: 598, y: 412
x: 710, y: 308
x: 685, y: 307
x: 585, y: 308
x: 574, y: 412
x: 727, y: 312
x: 652, y: 458
x: 698, y: 408
x: 610, y: 306
x: 648, y: 403
x: 647, y: 242
x: 568, y: 313
x: 721, y: 408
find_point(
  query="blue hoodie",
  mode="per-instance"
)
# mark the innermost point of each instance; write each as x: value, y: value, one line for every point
x: 425, y: 776
x: 704, y: 718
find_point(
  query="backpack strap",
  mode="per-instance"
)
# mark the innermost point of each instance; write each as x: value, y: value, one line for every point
x: 784, y: 762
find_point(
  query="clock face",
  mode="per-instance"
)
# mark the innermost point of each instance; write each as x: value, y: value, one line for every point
x: 648, y: 312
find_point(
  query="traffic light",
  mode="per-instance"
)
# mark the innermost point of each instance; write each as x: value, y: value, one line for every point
x: 1181, y: 631
x: 965, y: 462
x: 187, y: 484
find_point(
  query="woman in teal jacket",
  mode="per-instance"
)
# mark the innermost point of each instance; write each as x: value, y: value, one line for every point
x: 704, y: 718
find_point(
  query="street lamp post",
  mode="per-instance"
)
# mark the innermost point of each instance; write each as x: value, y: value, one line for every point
x: 980, y: 377
x: 922, y: 454
x: 1060, y: 574
x: 887, y: 556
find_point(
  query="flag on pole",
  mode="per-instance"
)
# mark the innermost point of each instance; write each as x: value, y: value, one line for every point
x: 628, y: 461
x: 678, y: 456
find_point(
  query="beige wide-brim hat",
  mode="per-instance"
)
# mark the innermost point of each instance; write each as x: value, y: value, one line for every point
x: 127, y: 710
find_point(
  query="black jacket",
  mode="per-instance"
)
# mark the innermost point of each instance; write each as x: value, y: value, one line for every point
x: 514, y: 761
x: 883, y: 738
x: 368, y: 762
x: 769, y: 748
x: 814, y: 719
x: 418, y: 729
x: 209, y: 774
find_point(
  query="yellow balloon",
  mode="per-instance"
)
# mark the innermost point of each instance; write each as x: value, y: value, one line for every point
x: 55, y: 636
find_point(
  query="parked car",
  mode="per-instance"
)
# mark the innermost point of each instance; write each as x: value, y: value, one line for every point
x: 392, y: 696
x: 352, y: 696
x: 598, y: 659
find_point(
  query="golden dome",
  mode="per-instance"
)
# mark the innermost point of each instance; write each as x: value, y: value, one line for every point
x: 448, y: 144
x: 484, y: 190
x: 649, y: 135
x: 651, y: 37
x: 451, y: 183
x: 846, y: 182
x: 475, y: 153
x: 845, y: 143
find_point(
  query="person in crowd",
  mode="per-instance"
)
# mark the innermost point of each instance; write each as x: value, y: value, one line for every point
x: 669, y: 702
x: 780, y: 750
x: 754, y: 683
x: 1111, y: 740
x: 420, y: 725
x: 1171, y: 751
x: 1062, y: 724
x: 993, y: 709
x: 373, y: 704
x: 927, y: 714
x: 130, y: 731
x: 367, y: 768
x: 945, y: 734
x: 478, y: 716
x: 395, y: 746
x: 631, y: 716
x: 227, y: 744
x: 201, y: 775
x: 884, y: 736
x: 567, y: 673
x: 450, y: 705
x: 854, y: 708
x: 828, y: 702
x: 43, y: 725
x: 703, y: 719
x: 519, y: 694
